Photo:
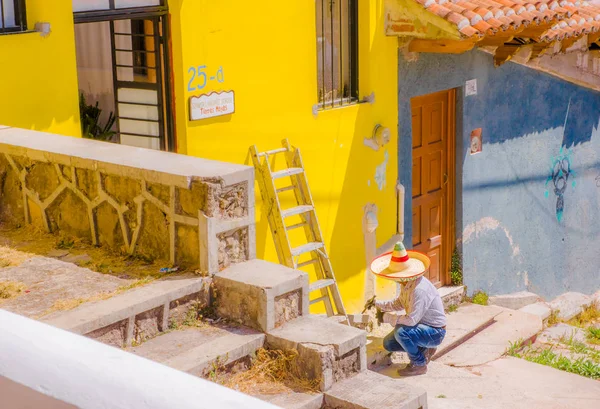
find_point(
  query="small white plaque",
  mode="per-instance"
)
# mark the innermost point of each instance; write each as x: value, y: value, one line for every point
x: 211, y: 105
x: 471, y: 88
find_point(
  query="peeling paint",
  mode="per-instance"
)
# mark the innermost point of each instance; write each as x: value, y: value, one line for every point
x: 380, y: 172
x: 485, y: 224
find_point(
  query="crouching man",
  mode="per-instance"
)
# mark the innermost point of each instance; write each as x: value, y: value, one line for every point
x: 423, y: 328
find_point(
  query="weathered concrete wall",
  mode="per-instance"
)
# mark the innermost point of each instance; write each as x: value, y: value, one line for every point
x: 190, y: 211
x: 513, y: 234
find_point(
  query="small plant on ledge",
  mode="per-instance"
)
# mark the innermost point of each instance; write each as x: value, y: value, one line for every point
x: 90, y: 121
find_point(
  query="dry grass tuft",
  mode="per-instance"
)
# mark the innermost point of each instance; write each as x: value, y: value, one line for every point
x: 272, y: 372
x: 589, y: 315
x: 70, y: 303
x: 10, y: 289
x: 28, y: 241
x: 10, y: 257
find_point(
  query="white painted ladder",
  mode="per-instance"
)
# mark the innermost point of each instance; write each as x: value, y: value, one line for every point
x: 288, y: 256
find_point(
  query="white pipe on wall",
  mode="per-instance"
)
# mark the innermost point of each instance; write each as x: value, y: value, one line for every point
x: 91, y: 375
x: 401, y: 194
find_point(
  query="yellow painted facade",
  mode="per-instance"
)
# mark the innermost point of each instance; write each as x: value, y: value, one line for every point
x: 38, y: 76
x: 267, y: 52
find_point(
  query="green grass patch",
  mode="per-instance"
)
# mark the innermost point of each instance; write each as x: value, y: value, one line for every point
x: 580, y: 366
x: 587, y: 364
x: 453, y: 308
x: 480, y: 298
x: 593, y: 335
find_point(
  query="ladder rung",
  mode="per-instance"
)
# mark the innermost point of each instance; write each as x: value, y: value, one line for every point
x: 295, y: 226
x: 296, y: 210
x: 285, y: 189
x: 306, y: 263
x: 286, y: 172
x: 317, y: 285
x: 316, y: 300
x: 305, y: 248
x: 272, y: 152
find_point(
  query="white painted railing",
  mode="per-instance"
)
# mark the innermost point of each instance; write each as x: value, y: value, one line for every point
x: 89, y: 375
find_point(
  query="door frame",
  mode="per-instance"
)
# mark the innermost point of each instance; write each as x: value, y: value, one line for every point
x: 166, y: 89
x: 449, y: 201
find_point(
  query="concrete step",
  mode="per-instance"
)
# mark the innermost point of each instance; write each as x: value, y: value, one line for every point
x: 294, y: 400
x: 465, y: 322
x: 510, y: 326
x: 197, y: 350
x: 370, y: 390
x: 327, y: 350
x: 137, y: 314
x: 452, y: 295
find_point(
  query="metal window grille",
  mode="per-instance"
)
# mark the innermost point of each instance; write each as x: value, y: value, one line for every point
x: 12, y: 16
x: 337, y: 52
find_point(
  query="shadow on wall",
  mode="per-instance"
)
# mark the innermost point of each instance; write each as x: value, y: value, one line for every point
x: 512, y: 100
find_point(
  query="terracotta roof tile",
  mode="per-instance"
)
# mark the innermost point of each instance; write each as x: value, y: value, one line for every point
x: 483, y: 17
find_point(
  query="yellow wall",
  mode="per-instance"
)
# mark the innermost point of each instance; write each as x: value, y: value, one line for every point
x: 38, y: 77
x: 268, y: 53
x: 267, y: 50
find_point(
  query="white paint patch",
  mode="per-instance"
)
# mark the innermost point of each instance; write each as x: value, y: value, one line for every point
x: 380, y: 171
x: 474, y: 230
x: 526, y: 279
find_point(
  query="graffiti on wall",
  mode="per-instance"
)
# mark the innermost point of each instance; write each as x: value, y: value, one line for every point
x: 560, y: 175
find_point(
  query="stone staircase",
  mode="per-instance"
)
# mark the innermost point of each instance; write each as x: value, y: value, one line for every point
x: 263, y: 305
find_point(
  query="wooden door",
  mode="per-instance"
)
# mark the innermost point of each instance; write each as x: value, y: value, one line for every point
x: 433, y: 180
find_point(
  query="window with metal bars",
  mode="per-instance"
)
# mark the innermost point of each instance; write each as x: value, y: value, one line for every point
x: 12, y: 16
x: 337, y: 52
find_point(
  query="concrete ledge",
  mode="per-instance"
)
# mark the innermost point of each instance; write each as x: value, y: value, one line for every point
x: 96, y: 315
x: 452, y: 295
x: 151, y: 165
x: 514, y: 301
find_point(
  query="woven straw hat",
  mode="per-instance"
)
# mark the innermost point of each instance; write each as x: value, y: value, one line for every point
x: 400, y: 265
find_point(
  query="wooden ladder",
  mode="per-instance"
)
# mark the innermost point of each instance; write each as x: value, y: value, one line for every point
x: 305, y: 209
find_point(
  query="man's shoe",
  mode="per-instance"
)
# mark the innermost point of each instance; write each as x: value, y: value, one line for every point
x: 429, y: 353
x: 412, y: 370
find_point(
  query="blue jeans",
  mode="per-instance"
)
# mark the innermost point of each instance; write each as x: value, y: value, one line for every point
x: 414, y: 341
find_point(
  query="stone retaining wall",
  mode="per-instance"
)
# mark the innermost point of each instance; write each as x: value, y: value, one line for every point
x: 157, y: 205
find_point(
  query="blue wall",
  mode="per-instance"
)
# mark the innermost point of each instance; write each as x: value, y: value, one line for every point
x: 509, y: 230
